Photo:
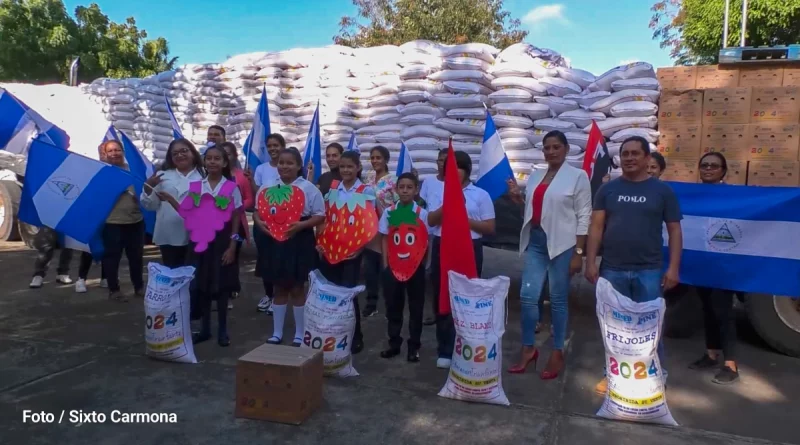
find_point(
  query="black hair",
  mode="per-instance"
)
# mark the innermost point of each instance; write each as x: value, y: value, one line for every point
x: 719, y: 156
x: 295, y: 153
x: 353, y: 156
x: 463, y: 162
x: 226, y: 145
x: 442, y: 152
x: 558, y: 135
x: 662, y: 163
x: 408, y: 175
x: 218, y: 127
x: 335, y: 145
x: 642, y: 141
x: 278, y: 138
x: 169, y: 164
x: 226, y: 169
x: 384, y: 154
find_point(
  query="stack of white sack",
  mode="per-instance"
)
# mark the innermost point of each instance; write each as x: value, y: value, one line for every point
x: 119, y: 99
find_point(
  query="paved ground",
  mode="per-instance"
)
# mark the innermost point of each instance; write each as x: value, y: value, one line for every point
x: 65, y: 351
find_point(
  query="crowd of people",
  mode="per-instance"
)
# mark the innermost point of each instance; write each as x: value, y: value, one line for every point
x: 565, y: 231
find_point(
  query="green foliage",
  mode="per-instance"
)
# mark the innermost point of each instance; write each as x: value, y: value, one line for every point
x: 394, y: 22
x: 279, y: 194
x: 402, y: 214
x: 692, y: 29
x: 40, y: 40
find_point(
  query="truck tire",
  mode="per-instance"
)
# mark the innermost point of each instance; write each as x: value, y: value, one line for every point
x: 10, y: 193
x: 684, y: 312
x: 777, y: 321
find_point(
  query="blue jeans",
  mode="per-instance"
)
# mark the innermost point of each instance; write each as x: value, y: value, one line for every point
x: 640, y: 286
x: 537, y: 267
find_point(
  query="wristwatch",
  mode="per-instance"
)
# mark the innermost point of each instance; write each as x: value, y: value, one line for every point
x: 579, y: 251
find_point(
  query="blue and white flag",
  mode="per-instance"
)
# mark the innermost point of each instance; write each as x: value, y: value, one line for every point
x: 404, y: 164
x: 494, y: 169
x: 313, y: 152
x: 69, y: 193
x: 176, y: 128
x: 19, y: 125
x: 139, y: 167
x: 740, y: 238
x: 255, y: 147
x: 353, y: 144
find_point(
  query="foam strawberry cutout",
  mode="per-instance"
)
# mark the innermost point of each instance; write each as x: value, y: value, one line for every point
x: 279, y: 207
x: 350, y: 224
x: 408, y: 241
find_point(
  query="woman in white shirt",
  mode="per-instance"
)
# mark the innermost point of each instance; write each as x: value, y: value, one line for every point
x: 181, y: 166
x: 480, y: 212
x: 430, y: 192
x: 558, y: 208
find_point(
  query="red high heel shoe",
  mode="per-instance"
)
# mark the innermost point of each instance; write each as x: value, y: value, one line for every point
x: 548, y: 374
x: 520, y: 368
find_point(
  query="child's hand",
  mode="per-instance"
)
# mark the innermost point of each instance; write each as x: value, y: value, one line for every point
x: 229, y: 256
x: 294, y: 228
x: 319, y: 249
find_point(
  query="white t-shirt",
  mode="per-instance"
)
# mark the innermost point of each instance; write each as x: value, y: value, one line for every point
x: 431, y: 192
x: 314, y: 204
x: 237, y: 194
x: 479, y: 208
x: 265, y: 174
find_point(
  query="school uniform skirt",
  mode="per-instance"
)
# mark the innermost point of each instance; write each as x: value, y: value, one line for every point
x: 287, y: 263
x: 211, y: 277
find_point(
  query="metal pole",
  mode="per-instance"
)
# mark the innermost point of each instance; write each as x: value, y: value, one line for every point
x: 744, y: 21
x: 725, y: 25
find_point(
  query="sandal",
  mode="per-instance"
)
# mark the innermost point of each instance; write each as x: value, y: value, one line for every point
x: 297, y: 342
x: 274, y: 340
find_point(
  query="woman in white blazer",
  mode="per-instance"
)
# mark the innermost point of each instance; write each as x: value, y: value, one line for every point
x: 558, y: 207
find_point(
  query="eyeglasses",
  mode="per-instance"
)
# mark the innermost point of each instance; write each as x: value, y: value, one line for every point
x: 709, y: 166
x: 180, y: 151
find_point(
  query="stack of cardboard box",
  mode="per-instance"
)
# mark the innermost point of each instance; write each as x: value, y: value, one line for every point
x: 751, y: 115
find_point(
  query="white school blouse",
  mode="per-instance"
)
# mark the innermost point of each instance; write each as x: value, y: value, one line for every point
x: 265, y: 174
x: 479, y: 208
x: 169, y: 229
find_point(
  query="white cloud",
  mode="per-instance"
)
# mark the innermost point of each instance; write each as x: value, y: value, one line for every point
x: 542, y: 15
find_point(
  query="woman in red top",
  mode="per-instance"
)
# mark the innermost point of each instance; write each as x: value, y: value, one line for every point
x: 558, y: 207
x: 248, y: 201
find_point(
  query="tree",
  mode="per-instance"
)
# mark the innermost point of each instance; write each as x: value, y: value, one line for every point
x: 394, y: 22
x: 692, y: 29
x: 40, y: 40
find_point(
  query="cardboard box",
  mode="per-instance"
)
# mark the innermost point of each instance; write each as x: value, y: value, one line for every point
x: 737, y: 172
x: 680, y: 107
x: 774, y: 142
x: 711, y: 76
x: 791, y: 77
x: 279, y: 383
x: 761, y: 77
x: 775, y: 104
x: 726, y: 105
x: 731, y: 140
x: 774, y: 173
x: 677, y: 77
x: 680, y: 141
x: 680, y: 170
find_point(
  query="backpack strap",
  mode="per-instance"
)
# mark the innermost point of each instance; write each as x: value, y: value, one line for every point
x: 361, y: 188
x: 227, y: 188
x: 196, y: 187
x: 335, y: 184
x: 417, y: 209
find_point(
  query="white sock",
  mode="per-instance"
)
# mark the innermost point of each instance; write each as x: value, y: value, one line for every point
x: 278, y: 314
x: 299, y: 321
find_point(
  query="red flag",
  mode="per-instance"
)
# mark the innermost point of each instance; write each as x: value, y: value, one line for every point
x: 597, y: 161
x: 456, y: 242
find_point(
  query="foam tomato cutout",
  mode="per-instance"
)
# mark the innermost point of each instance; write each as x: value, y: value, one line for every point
x: 350, y: 224
x: 279, y: 207
x: 408, y: 241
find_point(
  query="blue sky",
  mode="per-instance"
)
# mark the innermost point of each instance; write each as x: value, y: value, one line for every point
x: 593, y: 36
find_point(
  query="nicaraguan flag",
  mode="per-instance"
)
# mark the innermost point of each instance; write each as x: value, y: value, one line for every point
x: 139, y: 167
x: 313, y: 152
x: 740, y: 238
x: 494, y: 169
x: 404, y: 164
x: 19, y: 125
x: 255, y: 146
x: 353, y: 145
x: 176, y: 128
x: 69, y: 193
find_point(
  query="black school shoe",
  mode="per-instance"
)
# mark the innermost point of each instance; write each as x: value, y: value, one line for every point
x: 413, y: 356
x: 358, y: 346
x: 391, y: 352
x: 726, y: 376
x: 369, y: 311
x: 224, y: 340
x: 705, y: 362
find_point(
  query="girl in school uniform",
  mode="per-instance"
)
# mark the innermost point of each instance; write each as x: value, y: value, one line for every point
x: 403, y: 233
x: 248, y: 200
x: 480, y: 211
x: 347, y: 273
x: 217, y: 272
x: 286, y: 264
